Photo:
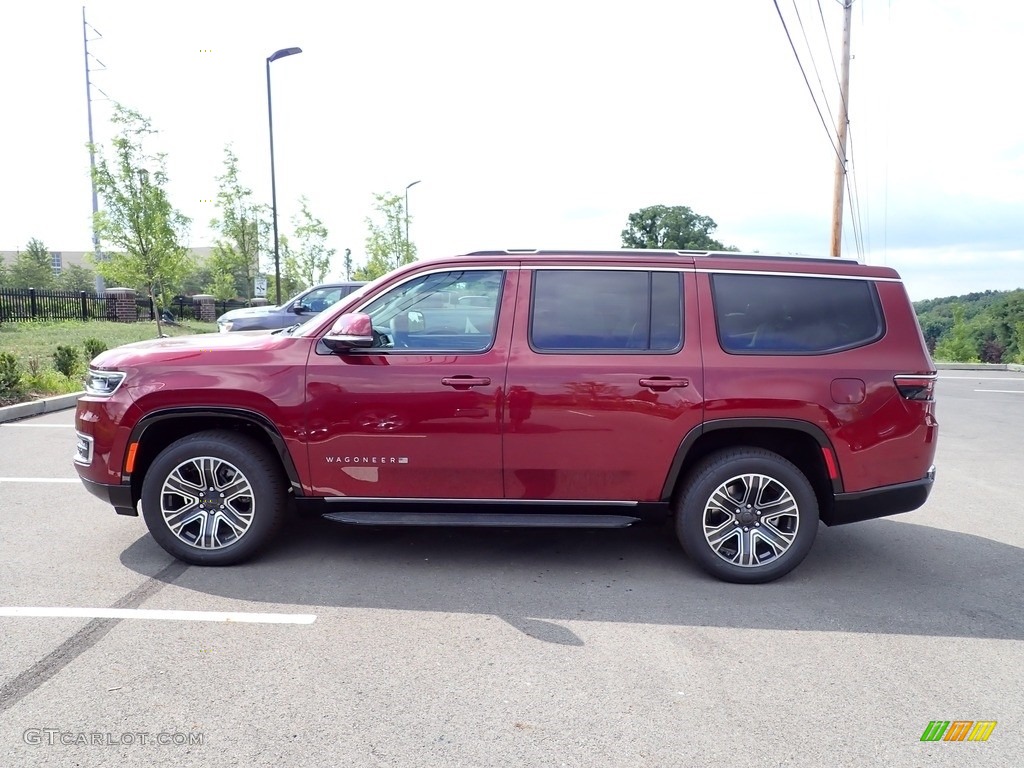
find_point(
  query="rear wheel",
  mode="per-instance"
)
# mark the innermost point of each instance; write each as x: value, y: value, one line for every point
x: 747, y: 515
x: 214, y: 498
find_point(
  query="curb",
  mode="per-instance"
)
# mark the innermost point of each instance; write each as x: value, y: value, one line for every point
x: 37, y: 407
x: 980, y: 367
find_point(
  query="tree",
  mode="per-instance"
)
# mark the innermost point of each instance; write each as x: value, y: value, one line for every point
x: 386, y: 246
x: 291, y: 281
x: 348, y: 263
x: 957, y: 346
x: 33, y: 267
x: 5, y: 274
x: 198, y: 279
x: 222, y: 287
x: 76, y: 278
x: 237, y: 250
x: 311, y: 261
x: 677, y: 228
x: 989, y: 318
x: 137, y: 217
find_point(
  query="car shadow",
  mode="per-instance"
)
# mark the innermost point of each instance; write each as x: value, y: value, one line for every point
x: 879, y: 576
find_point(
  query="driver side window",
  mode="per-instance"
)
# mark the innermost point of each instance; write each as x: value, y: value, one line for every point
x: 425, y: 314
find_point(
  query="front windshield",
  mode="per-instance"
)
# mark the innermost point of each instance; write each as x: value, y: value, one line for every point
x: 290, y: 301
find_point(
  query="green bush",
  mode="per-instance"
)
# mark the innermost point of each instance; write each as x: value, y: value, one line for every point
x: 49, y: 382
x: 65, y: 360
x: 93, y: 347
x: 10, y: 374
x: 956, y: 345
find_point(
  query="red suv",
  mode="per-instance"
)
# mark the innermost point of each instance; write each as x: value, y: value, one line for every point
x: 745, y: 397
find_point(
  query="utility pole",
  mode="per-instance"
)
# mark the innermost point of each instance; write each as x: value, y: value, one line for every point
x: 92, y: 154
x: 843, y: 123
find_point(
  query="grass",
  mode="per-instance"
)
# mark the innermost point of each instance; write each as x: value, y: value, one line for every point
x: 34, y: 343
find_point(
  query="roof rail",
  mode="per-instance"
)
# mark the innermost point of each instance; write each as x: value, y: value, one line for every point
x: 626, y: 252
x: 585, y: 252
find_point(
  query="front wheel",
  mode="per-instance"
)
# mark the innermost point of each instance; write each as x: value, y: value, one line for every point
x: 747, y: 515
x: 214, y: 498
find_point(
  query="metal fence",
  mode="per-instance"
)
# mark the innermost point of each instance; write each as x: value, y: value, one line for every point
x: 183, y: 308
x: 18, y: 304
x: 25, y: 304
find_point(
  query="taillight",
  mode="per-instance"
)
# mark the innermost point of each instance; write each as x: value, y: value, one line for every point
x: 914, y: 386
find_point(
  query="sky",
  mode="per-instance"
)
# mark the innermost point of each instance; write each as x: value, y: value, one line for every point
x: 543, y: 124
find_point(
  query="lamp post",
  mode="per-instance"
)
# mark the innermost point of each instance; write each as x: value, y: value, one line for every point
x: 273, y: 184
x: 413, y: 184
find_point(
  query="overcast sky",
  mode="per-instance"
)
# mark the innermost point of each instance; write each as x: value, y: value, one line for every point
x: 543, y: 124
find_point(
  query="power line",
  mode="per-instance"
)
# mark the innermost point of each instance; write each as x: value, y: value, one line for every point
x: 814, y: 64
x: 863, y: 220
x: 828, y: 41
x: 854, y: 193
x: 810, y: 90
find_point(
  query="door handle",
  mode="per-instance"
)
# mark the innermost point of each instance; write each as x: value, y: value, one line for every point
x: 663, y: 383
x: 465, y: 382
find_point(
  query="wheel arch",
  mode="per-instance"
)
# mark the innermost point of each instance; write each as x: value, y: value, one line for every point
x: 155, y: 431
x: 802, y: 443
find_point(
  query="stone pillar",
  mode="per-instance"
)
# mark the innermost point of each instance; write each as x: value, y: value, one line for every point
x: 259, y: 302
x: 206, y: 310
x: 121, y: 305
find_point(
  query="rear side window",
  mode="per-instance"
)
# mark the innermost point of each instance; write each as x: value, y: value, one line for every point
x: 770, y: 314
x: 614, y: 311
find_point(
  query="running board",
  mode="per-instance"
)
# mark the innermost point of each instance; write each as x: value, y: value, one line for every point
x: 482, y: 519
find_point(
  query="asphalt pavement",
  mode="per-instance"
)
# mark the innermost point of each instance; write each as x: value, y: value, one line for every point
x: 356, y: 647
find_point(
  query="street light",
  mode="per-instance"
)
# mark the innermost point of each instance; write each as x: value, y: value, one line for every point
x: 273, y: 184
x: 413, y: 184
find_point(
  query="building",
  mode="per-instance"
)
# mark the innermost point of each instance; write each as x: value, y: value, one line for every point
x: 62, y: 259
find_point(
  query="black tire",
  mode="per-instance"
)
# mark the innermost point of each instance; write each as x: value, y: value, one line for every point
x: 230, y: 463
x: 749, y: 548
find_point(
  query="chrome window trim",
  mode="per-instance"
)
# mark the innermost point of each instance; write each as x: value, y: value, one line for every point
x: 799, y: 274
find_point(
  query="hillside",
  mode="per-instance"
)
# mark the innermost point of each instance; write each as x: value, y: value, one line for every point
x: 987, y: 327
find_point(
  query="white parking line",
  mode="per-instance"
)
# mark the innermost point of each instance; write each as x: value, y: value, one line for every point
x: 39, y: 480
x: 144, y: 613
x: 1007, y: 391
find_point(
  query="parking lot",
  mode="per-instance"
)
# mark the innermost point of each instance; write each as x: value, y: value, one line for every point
x: 407, y: 647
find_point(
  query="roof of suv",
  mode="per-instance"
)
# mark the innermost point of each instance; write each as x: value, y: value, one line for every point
x: 716, y: 259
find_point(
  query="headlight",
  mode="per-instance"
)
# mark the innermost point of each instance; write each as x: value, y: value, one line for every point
x: 104, y: 383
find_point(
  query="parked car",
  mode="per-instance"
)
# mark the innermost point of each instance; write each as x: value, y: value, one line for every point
x: 743, y: 397
x: 296, y: 310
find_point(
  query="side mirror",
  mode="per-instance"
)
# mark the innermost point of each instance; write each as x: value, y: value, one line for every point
x: 416, y: 321
x: 298, y: 308
x: 350, y: 331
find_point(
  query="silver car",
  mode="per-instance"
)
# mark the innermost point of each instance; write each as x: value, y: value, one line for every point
x: 296, y: 310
